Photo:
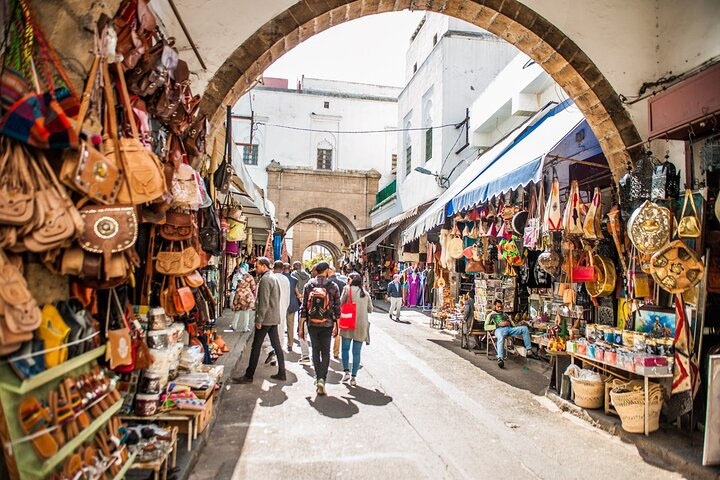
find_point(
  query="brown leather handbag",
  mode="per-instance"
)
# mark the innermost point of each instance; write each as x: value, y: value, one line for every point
x: 87, y: 170
x: 183, y: 298
x: 19, y: 312
x: 178, y: 226
x: 194, y: 279
x: 144, y: 176
x: 17, y: 191
x: 108, y: 230
x: 178, y: 261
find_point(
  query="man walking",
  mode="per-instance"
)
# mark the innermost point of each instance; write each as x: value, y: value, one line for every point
x: 320, y: 311
x: 278, y: 269
x: 394, y: 292
x: 267, y: 319
x: 294, y: 306
x: 341, y: 286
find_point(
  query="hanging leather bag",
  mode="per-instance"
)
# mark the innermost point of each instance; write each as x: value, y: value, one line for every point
x: 572, y: 219
x: 210, y: 232
x: 108, y: 230
x: 179, y: 261
x: 144, y: 175
x: 583, y: 271
x: 553, y: 213
x: 183, y: 297
x: 592, y: 229
x: 689, y: 225
x: 178, y: 226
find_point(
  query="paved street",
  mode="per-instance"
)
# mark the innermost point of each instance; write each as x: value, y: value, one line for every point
x: 420, y: 411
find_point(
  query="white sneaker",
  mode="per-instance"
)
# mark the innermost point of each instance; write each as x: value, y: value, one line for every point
x: 353, y: 382
x: 346, y: 377
x: 320, y: 387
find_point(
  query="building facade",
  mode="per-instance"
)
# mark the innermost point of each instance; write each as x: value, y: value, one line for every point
x: 319, y: 128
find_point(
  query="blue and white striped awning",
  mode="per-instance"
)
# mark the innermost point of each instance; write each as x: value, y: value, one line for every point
x: 522, y: 161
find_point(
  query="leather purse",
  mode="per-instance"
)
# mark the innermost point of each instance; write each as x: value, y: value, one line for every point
x: 177, y: 262
x: 676, y: 268
x: 210, y: 240
x: 583, y: 271
x: 604, y: 284
x: 194, y: 140
x: 194, y: 279
x: 108, y: 230
x: 650, y: 227
x: 144, y: 174
x: 19, y: 312
x: 592, y: 229
x: 153, y: 70
x: 178, y: 226
x: 553, y: 213
x: 572, y: 218
x: 17, y: 205
x: 183, y: 298
x: 689, y: 225
x: 474, y: 266
x: 185, y: 188
x: 86, y: 170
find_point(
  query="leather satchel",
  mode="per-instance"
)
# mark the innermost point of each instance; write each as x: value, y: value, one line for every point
x: 177, y: 262
x: 178, y: 226
x: 183, y: 299
x: 185, y: 188
x: 195, y: 136
x: 108, y: 230
x: 19, y: 312
x: 144, y: 175
x: 87, y: 170
x: 210, y: 232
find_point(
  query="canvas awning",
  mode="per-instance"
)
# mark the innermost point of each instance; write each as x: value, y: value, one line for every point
x: 435, y: 214
x: 373, y: 246
x: 372, y: 232
x: 522, y: 161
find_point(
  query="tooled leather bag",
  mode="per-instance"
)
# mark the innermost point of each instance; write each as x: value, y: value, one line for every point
x: 87, y: 170
x: 183, y: 298
x: 19, y: 312
x: 145, y: 178
x: 108, y: 230
x: 178, y: 226
x: 179, y: 262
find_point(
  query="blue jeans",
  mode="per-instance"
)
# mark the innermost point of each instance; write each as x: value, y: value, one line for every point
x: 502, y: 332
x: 356, y: 347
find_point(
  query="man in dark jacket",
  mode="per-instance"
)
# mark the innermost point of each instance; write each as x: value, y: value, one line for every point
x: 394, y: 293
x: 267, y: 319
x: 320, y: 311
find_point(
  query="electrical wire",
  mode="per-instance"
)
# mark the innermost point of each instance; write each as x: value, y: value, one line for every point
x: 387, y: 130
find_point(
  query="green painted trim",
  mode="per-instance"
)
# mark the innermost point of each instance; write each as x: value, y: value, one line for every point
x: 43, y: 469
x: 9, y: 380
x: 128, y: 465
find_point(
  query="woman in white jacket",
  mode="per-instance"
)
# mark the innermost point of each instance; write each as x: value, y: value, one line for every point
x: 361, y: 333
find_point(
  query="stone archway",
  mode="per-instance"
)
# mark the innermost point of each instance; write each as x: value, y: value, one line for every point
x: 510, y: 20
x: 334, y: 250
x: 337, y: 220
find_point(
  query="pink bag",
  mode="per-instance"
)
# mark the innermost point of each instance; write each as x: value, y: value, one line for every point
x: 348, y: 314
x: 231, y: 248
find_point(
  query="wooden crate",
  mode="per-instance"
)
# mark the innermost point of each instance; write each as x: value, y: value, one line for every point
x: 205, y: 416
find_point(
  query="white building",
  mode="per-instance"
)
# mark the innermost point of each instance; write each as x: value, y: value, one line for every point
x: 303, y: 126
x: 449, y: 62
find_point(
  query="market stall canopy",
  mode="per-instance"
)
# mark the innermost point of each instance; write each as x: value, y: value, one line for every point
x: 373, y: 246
x: 408, y: 214
x: 372, y: 232
x: 435, y: 214
x: 522, y: 161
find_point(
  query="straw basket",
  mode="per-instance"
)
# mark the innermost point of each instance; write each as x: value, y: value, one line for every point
x: 588, y: 394
x: 631, y: 408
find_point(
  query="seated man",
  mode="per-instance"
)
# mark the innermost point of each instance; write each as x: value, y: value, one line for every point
x: 504, y: 328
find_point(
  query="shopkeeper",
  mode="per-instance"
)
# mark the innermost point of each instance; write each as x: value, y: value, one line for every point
x: 504, y: 328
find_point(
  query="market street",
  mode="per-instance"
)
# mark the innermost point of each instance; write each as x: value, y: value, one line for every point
x: 420, y: 411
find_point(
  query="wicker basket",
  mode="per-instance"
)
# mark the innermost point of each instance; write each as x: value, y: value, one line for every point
x: 588, y: 394
x: 631, y: 408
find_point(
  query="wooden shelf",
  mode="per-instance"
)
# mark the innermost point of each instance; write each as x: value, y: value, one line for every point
x: 128, y: 465
x: 9, y: 380
x: 42, y: 469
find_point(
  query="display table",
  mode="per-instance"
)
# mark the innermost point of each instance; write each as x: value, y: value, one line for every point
x: 160, y: 463
x: 606, y: 366
x: 186, y: 418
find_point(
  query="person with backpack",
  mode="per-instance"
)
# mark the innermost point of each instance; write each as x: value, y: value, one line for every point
x: 267, y: 319
x: 332, y: 276
x: 320, y: 311
x: 355, y: 293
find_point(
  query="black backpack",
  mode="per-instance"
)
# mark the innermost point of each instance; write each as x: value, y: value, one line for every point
x: 319, y: 304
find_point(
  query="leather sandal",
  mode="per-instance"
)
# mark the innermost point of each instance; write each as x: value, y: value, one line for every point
x: 34, y: 418
x: 66, y: 414
x: 58, y: 431
x: 73, y: 465
x: 76, y: 402
x: 89, y: 395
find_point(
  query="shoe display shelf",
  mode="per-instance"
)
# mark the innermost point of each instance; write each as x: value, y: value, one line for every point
x: 22, y: 462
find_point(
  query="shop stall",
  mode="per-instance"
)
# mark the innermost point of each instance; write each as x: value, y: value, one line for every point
x: 114, y: 223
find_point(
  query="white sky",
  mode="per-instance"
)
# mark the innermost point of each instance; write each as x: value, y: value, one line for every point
x: 367, y: 50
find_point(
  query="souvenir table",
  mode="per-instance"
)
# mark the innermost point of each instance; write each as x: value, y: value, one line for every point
x: 160, y: 463
x: 186, y: 418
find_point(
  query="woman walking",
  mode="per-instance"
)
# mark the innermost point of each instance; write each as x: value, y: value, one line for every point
x: 360, y: 334
x: 244, y: 302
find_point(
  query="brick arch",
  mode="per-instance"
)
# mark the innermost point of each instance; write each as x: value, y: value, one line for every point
x: 337, y: 220
x: 510, y: 20
x: 334, y: 250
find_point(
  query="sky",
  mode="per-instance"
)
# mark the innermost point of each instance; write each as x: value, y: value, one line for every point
x: 367, y: 50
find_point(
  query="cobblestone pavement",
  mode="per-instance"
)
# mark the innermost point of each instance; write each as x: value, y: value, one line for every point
x: 419, y: 411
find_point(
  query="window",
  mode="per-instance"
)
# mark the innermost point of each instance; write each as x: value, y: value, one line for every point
x: 250, y: 154
x: 326, y: 105
x: 434, y: 39
x: 324, y: 159
x: 408, y: 160
x: 428, y: 144
x: 393, y: 163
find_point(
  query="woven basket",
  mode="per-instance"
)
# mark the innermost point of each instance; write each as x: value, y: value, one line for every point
x: 588, y: 394
x: 631, y: 408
